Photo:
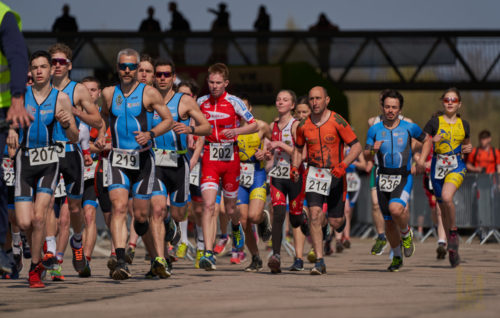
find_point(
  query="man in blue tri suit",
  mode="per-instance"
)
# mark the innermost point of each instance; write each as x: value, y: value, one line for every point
x: 172, y: 163
x: 129, y: 109
x: 71, y: 159
x: 37, y: 163
x: 390, y: 140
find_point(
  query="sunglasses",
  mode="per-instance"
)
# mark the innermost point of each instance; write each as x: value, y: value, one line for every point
x: 60, y: 61
x: 131, y: 66
x: 166, y: 74
x: 453, y: 100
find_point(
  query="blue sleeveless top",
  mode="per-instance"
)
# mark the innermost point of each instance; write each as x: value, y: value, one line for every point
x: 170, y: 140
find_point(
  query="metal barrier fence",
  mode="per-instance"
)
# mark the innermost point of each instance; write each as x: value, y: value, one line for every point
x: 477, y: 205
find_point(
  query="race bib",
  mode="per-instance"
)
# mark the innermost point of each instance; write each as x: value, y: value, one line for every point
x: 222, y: 151
x: 281, y: 170
x: 318, y: 180
x: 444, y: 165
x: 125, y: 159
x: 247, y: 174
x: 8, y: 172
x: 165, y: 158
x: 60, y: 189
x: 388, y: 182
x: 353, y: 182
x: 43, y: 155
x: 61, y: 149
x: 105, y: 177
x: 194, y: 175
x: 89, y: 172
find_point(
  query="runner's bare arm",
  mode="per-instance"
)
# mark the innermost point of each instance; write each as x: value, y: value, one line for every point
x: 65, y: 117
x: 154, y: 101
x: 202, y: 127
x: 88, y: 111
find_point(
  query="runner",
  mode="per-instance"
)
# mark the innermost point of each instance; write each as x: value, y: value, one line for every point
x: 172, y: 165
x: 252, y: 190
x: 37, y: 164
x: 325, y: 132
x: 129, y: 107
x: 280, y: 150
x: 219, y: 162
x: 451, y: 137
x: 391, y: 141
x: 71, y: 160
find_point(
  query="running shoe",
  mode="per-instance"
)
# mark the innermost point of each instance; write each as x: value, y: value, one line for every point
x: 181, y: 250
x: 34, y: 277
x: 274, y: 264
x: 346, y: 243
x: 339, y: 247
x: 242, y: 256
x: 297, y: 266
x: 239, y: 237
x: 441, y: 252
x: 304, y: 227
x: 121, y: 271
x: 453, y: 249
x: 269, y: 245
x: 18, y: 260
x: 199, y: 255
x: 150, y: 274
x: 221, y: 245
x: 396, y: 264
x: 160, y: 268
x: 112, y: 261
x: 327, y: 248
x: 311, y: 256
x: 408, y: 245
x: 234, y: 257
x: 49, y: 261
x: 319, y: 267
x: 79, y: 260
x: 170, y: 229
x: 255, y: 265
x: 5, y: 262
x: 208, y: 262
x: 129, y: 254
x: 26, y: 246
x: 265, y: 229
x: 56, y: 274
x: 86, y: 271
x: 379, y: 246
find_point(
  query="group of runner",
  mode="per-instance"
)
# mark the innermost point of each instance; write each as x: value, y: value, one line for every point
x: 153, y: 148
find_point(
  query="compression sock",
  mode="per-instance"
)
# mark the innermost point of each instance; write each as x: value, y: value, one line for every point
x: 406, y: 232
x: 76, y: 240
x: 120, y: 254
x: 16, y: 243
x: 51, y: 244
x: 184, y: 230
x: 200, y: 243
x: 277, y: 233
x: 396, y: 251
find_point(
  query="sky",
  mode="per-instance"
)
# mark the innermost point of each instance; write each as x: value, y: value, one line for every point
x: 126, y: 15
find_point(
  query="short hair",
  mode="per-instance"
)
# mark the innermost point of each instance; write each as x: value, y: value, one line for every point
x: 303, y: 100
x: 62, y: 48
x: 191, y: 84
x: 392, y: 93
x: 484, y: 134
x: 165, y: 62
x: 41, y: 53
x: 146, y: 58
x: 91, y: 79
x: 128, y: 52
x: 219, y: 68
x: 452, y: 90
x: 292, y: 93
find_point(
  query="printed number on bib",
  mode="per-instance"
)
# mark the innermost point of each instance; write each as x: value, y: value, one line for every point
x: 61, y: 149
x: 194, y: 175
x: 60, y: 189
x: 105, y: 170
x: 318, y: 180
x: 8, y: 172
x: 165, y: 158
x: 222, y: 151
x: 388, y: 182
x: 281, y: 170
x: 89, y: 172
x: 125, y: 159
x: 43, y: 156
x: 353, y: 182
x: 445, y: 164
x: 246, y: 174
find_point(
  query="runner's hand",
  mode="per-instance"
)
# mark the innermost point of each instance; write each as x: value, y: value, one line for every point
x: 87, y: 160
x: 180, y: 128
x: 294, y: 174
x: 467, y: 148
x: 229, y: 133
x: 18, y: 114
x: 260, y: 154
x: 141, y: 137
x: 339, y: 170
x: 437, y: 138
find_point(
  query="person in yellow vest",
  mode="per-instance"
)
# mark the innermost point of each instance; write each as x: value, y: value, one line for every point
x: 13, y: 75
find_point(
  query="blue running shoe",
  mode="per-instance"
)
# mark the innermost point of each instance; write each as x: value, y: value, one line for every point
x: 239, y: 237
x: 207, y: 261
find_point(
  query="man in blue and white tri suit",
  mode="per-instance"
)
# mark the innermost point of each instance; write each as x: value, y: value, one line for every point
x: 129, y: 109
x: 390, y: 140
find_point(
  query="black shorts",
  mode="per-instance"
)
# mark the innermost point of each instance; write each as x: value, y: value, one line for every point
x: 173, y: 182
x: 89, y: 195
x: 10, y: 197
x: 41, y: 178
x: 100, y: 190
x: 139, y: 182
x: 400, y: 194
x: 335, y: 201
x: 71, y: 167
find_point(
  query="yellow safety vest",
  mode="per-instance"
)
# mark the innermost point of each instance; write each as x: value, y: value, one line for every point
x: 4, y: 66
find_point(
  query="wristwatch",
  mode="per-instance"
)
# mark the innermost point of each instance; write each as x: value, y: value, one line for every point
x: 192, y: 129
x: 152, y: 134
